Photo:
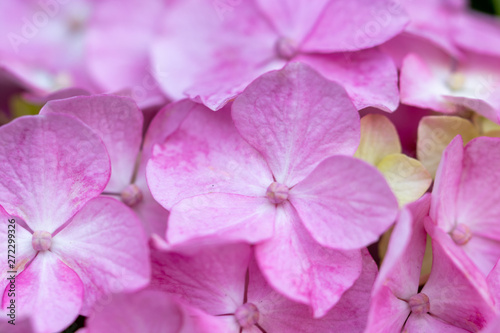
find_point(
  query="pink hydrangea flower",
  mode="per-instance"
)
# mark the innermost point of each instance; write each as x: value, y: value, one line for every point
x: 454, y: 299
x: 275, y: 173
x: 72, y: 246
x: 150, y: 311
x: 232, y: 44
x: 226, y: 283
x: 119, y: 123
x: 465, y: 199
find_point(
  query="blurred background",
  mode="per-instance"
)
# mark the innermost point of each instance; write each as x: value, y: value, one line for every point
x: 487, y: 6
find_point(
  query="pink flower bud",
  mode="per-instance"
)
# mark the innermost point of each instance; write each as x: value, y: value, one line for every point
x: 461, y: 234
x: 286, y: 48
x: 419, y: 303
x: 131, y: 195
x: 247, y: 315
x: 277, y: 193
x: 41, y: 240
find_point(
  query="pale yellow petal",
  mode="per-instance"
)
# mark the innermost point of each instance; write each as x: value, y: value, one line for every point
x: 379, y: 138
x: 435, y: 133
x: 484, y: 125
x: 406, y: 176
x: 493, y: 134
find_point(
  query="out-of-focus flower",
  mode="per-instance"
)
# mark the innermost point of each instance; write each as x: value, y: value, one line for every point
x: 94, y: 45
x: 276, y: 177
x: 432, y: 79
x: 233, y: 44
x: 72, y: 246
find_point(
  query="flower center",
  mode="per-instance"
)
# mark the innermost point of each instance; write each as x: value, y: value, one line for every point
x: 456, y: 81
x: 419, y: 303
x: 41, y: 240
x: 277, y: 193
x: 286, y: 48
x: 247, y: 315
x: 461, y: 234
x: 131, y: 195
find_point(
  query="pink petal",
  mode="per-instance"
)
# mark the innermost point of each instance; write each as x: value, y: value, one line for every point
x: 401, y: 267
x: 279, y: 314
x: 21, y: 249
x: 232, y: 43
x: 477, y: 201
x: 387, y: 312
x: 49, y: 292
x: 221, y: 218
x: 492, y: 326
x: 429, y: 80
x: 293, y: 19
x: 458, y: 292
x: 206, y: 154
x: 114, y: 44
x: 51, y: 165
x: 345, y: 203
x: 483, y: 251
x: 153, y: 216
x: 369, y: 77
x: 433, y: 21
x: 357, y: 25
x: 105, y: 244
x: 301, y: 269
x: 21, y: 325
x: 212, y: 279
x: 296, y: 118
x: 152, y: 311
x: 429, y: 323
x: 470, y: 25
x: 166, y: 122
x: 493, y: 281
x: 446, y: 185
x: 117, y: 121
x: 398, y: 279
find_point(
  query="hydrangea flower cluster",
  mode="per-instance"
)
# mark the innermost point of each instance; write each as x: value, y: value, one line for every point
x: 255, y: 166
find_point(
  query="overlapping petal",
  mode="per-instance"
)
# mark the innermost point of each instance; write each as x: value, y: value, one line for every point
x: 51, y: 305
x: 293, y: 125
x: 345, y: 203
x: 106, y: 245
x: 297, y: 266
x: 205, y: 155
x: 117, y: 121
x: 51, y: 165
